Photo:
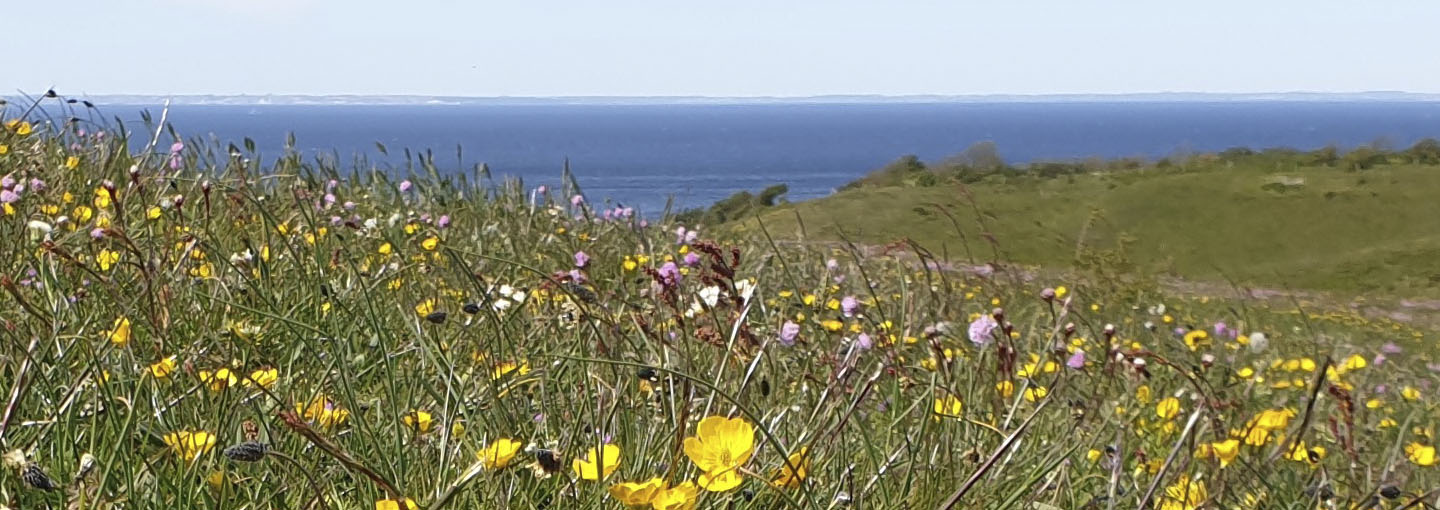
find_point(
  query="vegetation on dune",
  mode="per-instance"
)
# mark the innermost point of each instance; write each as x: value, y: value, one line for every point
x: 194, y: 328
x: 1363, y: 222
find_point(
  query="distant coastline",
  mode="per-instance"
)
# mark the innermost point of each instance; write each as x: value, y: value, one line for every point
x: 417, y: 100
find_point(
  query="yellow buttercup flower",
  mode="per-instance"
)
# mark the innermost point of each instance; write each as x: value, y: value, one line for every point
x: 1005, y: 388
x: 425, y: 307
x: 506, y: 367
x: 119, y: 333
x: 1168, y: 408
x: 597, y: 465
x: 190, y: 444
x: 638, y: 494
x: 218, y: 380
x: 390, y: 504
x: 1226, y: 451
x: 794, y: 470
x: 1421, y: 455
x: 719, y: 448
x: 430, y: 243
x: 72, y: 162
x: 499, y: 453
x: 418, y: 421
x: 163, y: 368
x: 949, y: 406
x: 1184, y: 494
x: 321, y: 411
x: 106, y: 259
x: 385, y: 249
x: 265, y: 378
x: 1036, y: 393
x: 1410, y: 393
x: 679, y: 497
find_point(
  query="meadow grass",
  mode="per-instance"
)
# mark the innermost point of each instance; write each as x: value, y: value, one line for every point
x: 193, y: 327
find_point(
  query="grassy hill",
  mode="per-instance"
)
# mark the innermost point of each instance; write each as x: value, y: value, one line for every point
x: 1259, y: 220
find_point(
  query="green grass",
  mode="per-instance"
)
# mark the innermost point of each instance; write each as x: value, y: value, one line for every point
x: 250, y: 274
x: 1373, y: 232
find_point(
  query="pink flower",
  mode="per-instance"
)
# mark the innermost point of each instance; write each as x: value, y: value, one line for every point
x: 405, y: 186
x: 582, y: 259
x: 444, y: 221
x: 7, y: 196
x: 982, y: 329
x: 849, y: 305
x: 692, y: 259
x: 176, y: 147
x: 669, y: 274
x: 577, y: 200
x: 864, y: 341
x: 788, y: 332
x: 1077, y: 360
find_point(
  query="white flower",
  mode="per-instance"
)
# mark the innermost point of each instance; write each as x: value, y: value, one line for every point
x: 518, y: 296
x: 501, y: 304
x: 371, y: 223
x: 710, y: 296
x: 243, y: 257
x: 39, y: 227
x: 1258, y: 342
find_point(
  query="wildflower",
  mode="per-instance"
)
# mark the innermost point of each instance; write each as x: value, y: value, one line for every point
x: 1302, y: 454
x: 506, y: 367
x: 949, y: 406
x: 638, y: 494
x: 425, y: 308
x: 390, y: 504
x: 794, y: 470
x: 1410, y: 393
x: 1226, y: 451
x: 832, y: 325
x: 981, y: 330
x: 430, y: 243
x: 1036, y: 393
x: 691, y: 259
x: 1077, y: 360
x: 119, y: 333
x: 405, y: 185
x: 418, y: 421
x: 582, y: 259
x: 679, y: 497
x: 163, y: 368
x: 1273, y: 420
x: 788, y: 332
x: 321, y: 411
x: 72, y: 162
x: 670, y: 275
x: 719, y: 448
x: 1184, y: 494
x: 849, y: 305
x: 597, y: 464
x: 1168, y: 408
x: 190, y: 444
x: 1005, y: 388
x: 499, y: 453
x: 1421, y: 455
x: 218, y: 380
x: 1197, y: 339
x: 264, y: 378
x: 385, y: 249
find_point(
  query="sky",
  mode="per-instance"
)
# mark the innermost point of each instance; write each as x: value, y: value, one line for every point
x: 717, y: 48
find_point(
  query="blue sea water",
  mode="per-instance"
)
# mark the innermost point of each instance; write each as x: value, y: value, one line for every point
x: 640, y: 155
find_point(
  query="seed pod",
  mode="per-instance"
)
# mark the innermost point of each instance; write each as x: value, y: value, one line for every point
x: 436, y: 317
x: 35, y: 477
x: 249, y: 451
x: 471, y: 308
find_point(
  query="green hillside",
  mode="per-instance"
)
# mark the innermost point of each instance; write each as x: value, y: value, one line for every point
x: 1260, y: 220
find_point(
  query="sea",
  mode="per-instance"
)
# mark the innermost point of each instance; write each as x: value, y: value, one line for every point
x: 657, y: 156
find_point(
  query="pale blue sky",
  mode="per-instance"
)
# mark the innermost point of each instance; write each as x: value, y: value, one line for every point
x: 717, y: 48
